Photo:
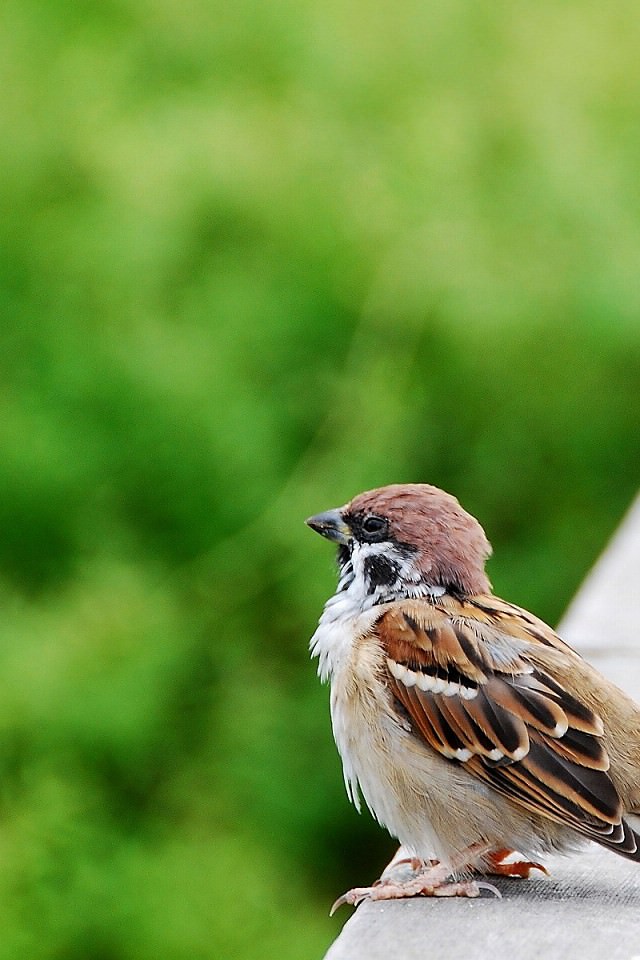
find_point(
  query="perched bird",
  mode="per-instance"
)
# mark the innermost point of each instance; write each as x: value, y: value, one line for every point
x: 469, y: 727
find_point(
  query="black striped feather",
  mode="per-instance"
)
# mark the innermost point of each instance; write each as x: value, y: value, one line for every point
x: 581, y: 748
x: 580, y: 717
x: 506, y: 730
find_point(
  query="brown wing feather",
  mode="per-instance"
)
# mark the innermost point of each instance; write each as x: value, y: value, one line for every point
x: 471, y: 676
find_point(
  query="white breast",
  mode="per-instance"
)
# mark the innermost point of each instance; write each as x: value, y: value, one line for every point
x: 380, y: 758
x: 337, y: 644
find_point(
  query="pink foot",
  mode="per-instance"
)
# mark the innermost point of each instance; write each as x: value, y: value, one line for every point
x: 431, y: 881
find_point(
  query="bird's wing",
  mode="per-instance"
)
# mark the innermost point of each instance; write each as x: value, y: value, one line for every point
x: 475, y: 680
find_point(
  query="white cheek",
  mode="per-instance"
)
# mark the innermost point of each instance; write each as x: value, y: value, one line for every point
x: 359, y: 555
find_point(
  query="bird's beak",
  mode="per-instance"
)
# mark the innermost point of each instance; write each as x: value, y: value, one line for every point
x: 331, y: 525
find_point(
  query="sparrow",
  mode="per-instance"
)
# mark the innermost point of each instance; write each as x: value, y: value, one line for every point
x: 469, y: 727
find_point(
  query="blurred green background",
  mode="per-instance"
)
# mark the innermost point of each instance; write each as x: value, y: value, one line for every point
x: 255, y: 258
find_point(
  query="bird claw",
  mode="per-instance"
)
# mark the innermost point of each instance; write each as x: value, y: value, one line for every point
x: 353, y: 897
x: 519, y: 868
x: 515, y: 868
x: 483, y: 885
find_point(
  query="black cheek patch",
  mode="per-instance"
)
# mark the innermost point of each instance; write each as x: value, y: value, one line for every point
x: 344, y: 555
x: 379, y: 571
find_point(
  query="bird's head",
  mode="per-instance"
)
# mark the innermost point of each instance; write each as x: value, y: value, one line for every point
x: 407, y: 539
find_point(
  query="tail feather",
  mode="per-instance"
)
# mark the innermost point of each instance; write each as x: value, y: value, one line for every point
x: 625, y: 838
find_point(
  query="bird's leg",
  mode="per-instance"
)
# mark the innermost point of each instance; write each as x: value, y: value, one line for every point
x: 432, y: 879
x: 416, y: 863
x: 494, y: 863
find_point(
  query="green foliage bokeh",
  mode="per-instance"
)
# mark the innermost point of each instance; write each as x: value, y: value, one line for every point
x: 255, y: 258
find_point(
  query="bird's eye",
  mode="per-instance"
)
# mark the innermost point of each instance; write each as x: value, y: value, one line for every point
x: 375, y: 528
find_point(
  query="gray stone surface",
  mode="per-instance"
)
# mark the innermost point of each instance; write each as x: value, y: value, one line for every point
x: 589, y: 907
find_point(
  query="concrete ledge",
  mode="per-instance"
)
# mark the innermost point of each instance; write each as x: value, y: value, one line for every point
x: 590, y: 905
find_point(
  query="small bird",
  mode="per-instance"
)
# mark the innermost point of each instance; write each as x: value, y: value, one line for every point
x: 469, y: 727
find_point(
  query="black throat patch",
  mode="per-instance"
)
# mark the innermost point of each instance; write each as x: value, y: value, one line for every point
x: 380, y: 571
